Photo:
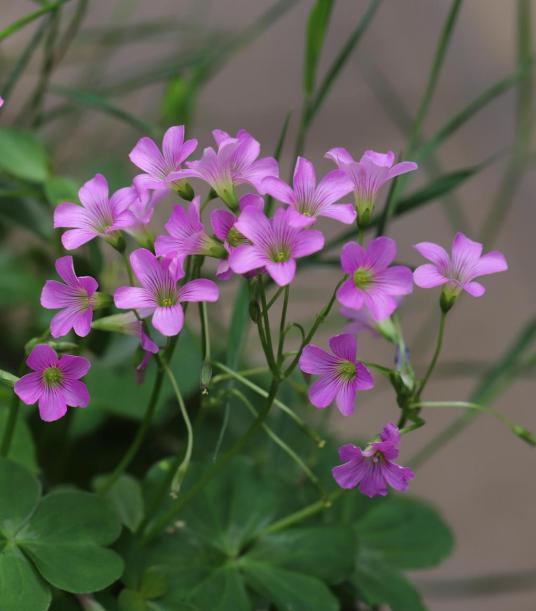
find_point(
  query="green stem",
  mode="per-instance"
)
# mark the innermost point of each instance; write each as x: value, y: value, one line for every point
x: 134, y: 447
x: 284, y: 408
x: 318, y: 321
x: 266, y: 333
x: 282, y: 324
x: 301, y: 514
x: 23, y: 21
x: 279, y: 442
x: 205, y: 331
x: 437, y: 351
x: 216, y: 467
x: 10, y: 426
x: 185, y: 463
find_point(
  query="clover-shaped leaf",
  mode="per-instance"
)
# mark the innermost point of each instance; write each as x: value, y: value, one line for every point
x: 57, y: 540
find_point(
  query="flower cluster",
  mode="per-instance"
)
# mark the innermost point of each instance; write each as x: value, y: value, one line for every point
x: 246, y: 238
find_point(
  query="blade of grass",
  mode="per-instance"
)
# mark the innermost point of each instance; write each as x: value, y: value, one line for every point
x: 277, y: 156
x: 317, y: 26
x: 311, y: 107
x: 415, y: 132
x: 24, y: 21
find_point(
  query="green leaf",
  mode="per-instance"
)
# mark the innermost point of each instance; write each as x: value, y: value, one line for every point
x: 224, y: 590
x: 378, y: 583
x: 64, y: 539
x: 404, y: 533
x: 28, y: 18
x: 323, y: 552
x: 22, y: 448
x: 289, y: 591
x: 316, y: 31
x: 20, y: 493
x: 25, y: 212
x: 126, y: 498
x: 60, y: 189
x: 22, y: 155
x: 21, y: 587
x: 130, y: 600
x: 178, y: 101
x: 154, y: 582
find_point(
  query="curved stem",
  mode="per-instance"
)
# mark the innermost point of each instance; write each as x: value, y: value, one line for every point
x: 437, y: 351
x: 183, y: 467
x: 216, y: 467
x: 282, y: 323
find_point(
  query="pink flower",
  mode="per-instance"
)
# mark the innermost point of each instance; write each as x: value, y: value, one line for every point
x: 341, y: 374
x: 223, y: 224
x: 234, y: 163
x: 74, y: 297
x: 373, y: 469
x: 372, y: 282
x: 274, y: 245
x: 98, y: 215
x: 161, y: 168
x: 54, y: 382
x: 1, y: 101
x: 187, y: 236
x: 368, y: 175
x: 159, y: 294
x: 307, y: 200
x: 142, y: 204
x: 457, y: 272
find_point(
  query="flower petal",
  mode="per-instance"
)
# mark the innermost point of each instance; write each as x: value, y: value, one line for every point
x: 349, y: 452
x: 65, y: 268
x: 41, y: 357
x: 474, y: 288
x: 245, y: 258
x: 344, y: 346
x: 282, y: 273
x: 395, y: 280
x: 340, y: 156
x: 52, y: 405
x: 130, y: 297
x: 63, y: 322
x: 346, y: 398
x: 352, y: 256
x: 278, y: 189
x: 380, y: 253
x: 490, y: 263
x: 323, y: 392
x: 333, y: 186
x: 380, y: 304
x: 75, y: 393
x: 344, y: 213
x: 169, y: 321
x: 314, y: 360
x: 434, y: 253
x: 74, y: 367
x: 364, y: 380
x: 69, y: 215
x: 403, y: 168
x: 147, y: 156
x: 29, y: 388
x: 465, y: 252
x: 199, y: 290
x: 308, y: 242
x: 222, y: 222
x: 351, y: 473
x: 253, y: 224
x: 74, y: 238
x: 94, y: 193
x: 350, y: 296
x: 427, y: 276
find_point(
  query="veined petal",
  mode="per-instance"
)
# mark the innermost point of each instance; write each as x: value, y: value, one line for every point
x: 147, y: 268
x: 395, y: 280
x: 304, y: 180
x: 403, y: 168
x: 349, y: 452
x: 340, y: 156
x: 380, y: 253
x: 58, y: 295
x: 351, y: 473
x: 147, y: 156
x: 82, y: 322
x: 475, y: 289
x: 333, y: 186
x: 171, y: 145
x: 243, y: 259
x: 308, y: 242
x: 490, y: 263
x: 259, y: 170
x: 434, y: 253
x: 41, y: 357
x: 344, y: 346
x: 346, y: 398
x: 222, y: 222
x: 131, y: 297
x: 344, y: 213
x: 364, y: 380
x: 52, y: 405
x: 254, y: 225
x: 352, y: 256
x: 94, y: 193
x: 75, y: 393
x: 74, y: 367
x: 69, y: 215
x: 199, y: 290
x: 380, y: 304
x: 63, y: 321
x: 323, y: 392
x: 29, y: 388
x: 169, y: 320
x: 396, y: 476
x: 350, y: 296
x: 314, y: 360
x: 427, y: 276
x: 282, y: 273
x: 65, y: 268
x: 278, y: 189
x: 465, y: 252
x: 74, y: 238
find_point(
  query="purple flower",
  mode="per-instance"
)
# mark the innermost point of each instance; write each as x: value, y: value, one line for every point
x: 307, y: 200
x: 159, y: 294
x: 1, y: 101
x: 372, y: 282
x: 142, y: 204
x: 373, y: 469
x: 98, y: 215
x: 74, y: 297
x: 368, y: 175
x: 223, y: 224
x: 54, y: 382
x: 457, y: 272
x: 187, y: 236
x: 234, y: 163
x: 275, y: 245
x: 341, y: 374
x: 161, y: 168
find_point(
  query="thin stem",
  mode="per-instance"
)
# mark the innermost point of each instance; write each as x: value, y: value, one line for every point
x: 183, y: 467
x: 205, y: 331
x: 216, y: 467
x: 318, y: 321
x: 301, y: 514
x: 282, y: 325
x: 10, y: 426
x: 267, y: 334
x: 284, y: 408
x: 254, y: 371
x: 437, y: 351
x: 130, y: 273
x: 279, y: 442
x: 23, y: 21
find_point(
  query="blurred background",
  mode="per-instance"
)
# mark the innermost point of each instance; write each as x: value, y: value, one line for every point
x: 127, y: 67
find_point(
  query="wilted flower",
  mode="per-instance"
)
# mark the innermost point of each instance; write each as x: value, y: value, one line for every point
x: 341, y: 374
x: 234, y: 163
x: 373, y: 469
x: 161, y: 167
x: 74, y: 297
x: 372, y: 283
x: 307, y: 200
x: 159, y: 294
x: 54, y: 382
x: 274, y: 245
x: 457, y: 273
x: 187, y: 236
x: 368, y: 175
x: 99, y: 215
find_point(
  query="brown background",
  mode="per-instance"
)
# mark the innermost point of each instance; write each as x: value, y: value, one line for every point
x: 484, y: 480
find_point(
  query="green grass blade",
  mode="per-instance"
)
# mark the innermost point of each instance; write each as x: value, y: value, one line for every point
x: 91, y: 99
x: 277, y: 155
x: 23, y: 21
x: 317, y: 26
